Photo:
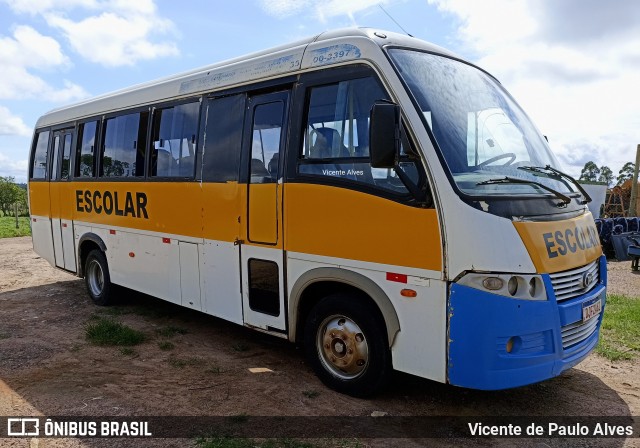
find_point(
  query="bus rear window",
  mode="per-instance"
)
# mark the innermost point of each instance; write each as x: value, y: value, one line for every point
x: 39, y: 166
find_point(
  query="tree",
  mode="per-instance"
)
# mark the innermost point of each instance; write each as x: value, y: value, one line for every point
x: 626, y: 172
x: 590, y: 172
x: 606, y: 175
x: 9, y: 192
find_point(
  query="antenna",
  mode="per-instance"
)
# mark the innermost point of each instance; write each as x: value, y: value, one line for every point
x: 394, y: 20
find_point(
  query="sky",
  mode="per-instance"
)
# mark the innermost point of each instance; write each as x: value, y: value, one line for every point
x: 573, y: 65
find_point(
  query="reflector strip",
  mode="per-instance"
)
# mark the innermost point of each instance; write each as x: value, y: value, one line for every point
x: 400, y: 278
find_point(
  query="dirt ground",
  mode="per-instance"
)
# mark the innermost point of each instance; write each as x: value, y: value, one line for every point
x: 48, y: 368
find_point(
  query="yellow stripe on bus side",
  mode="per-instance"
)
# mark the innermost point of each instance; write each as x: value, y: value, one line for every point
x: 168, y: 207
x: 342, y: 223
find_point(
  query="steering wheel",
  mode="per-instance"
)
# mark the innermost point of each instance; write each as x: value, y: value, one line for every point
x: 511, y: 156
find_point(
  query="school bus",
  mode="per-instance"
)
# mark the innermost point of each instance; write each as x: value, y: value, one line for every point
x: 366, y: 194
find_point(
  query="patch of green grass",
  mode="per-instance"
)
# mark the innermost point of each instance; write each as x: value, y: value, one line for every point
x: 103, y: 331
x: 128, y: 351
x: 310, y: 393
x: 166, y: 345
x: 115, y: 311
x: 4, y: 335
x: 8, y: 227
x: 620, y: 333
x: 170, y: 331
x: 240, y: 347
x: 181, y: 363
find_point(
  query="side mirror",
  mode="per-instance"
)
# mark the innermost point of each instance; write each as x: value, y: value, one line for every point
x: 384, y: 135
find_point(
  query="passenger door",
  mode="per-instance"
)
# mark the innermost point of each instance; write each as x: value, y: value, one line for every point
x: 262, y: 260
x: 61, y: 223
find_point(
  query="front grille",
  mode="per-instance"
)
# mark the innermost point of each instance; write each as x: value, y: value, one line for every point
x: 570, y: 284
x: 577, y: 332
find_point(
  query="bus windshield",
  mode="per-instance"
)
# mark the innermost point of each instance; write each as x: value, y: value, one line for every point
x: 481, y: 131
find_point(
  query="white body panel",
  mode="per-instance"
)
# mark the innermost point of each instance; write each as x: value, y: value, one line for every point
x: 56, y: 232
x: 420, y: 346
x: 220, y: 268
x: 251, y: 317
x: 190, y: 275
x: 42, y: 238
x: 68, y: 245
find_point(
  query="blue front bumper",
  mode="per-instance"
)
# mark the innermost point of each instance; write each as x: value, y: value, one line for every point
x: 480, y: 324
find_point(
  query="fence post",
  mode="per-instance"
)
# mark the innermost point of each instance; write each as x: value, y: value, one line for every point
x: 634, y: 186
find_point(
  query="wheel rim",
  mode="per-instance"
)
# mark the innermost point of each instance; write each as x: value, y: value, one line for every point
x: 342, y: 347
x: 96, y: 277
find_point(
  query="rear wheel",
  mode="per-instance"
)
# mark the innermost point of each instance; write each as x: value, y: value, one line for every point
x: 346, y: 344
x: 97, y: 279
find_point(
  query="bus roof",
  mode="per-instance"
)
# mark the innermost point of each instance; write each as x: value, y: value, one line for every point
x: 317, y: 50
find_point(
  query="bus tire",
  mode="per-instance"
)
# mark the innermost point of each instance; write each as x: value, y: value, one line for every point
x: 346, y: 344
x: 97, y: 279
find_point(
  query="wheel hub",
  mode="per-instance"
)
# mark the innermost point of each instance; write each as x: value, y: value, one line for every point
x: 343, y: 347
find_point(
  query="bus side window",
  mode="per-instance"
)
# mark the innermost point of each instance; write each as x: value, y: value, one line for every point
x: 56, y: 157
x: 39, y: 164
x: 223, y: 139
x: 66, y: 157
x: 336, y: 136
x: 124, y: 145
x: 173, y: 148
x: 85, y: 160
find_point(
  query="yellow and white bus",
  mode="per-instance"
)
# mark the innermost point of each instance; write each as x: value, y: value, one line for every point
x: 366, y: 194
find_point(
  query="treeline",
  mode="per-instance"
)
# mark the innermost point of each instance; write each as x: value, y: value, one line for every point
x: 592, y: 173
x: 12, y: 194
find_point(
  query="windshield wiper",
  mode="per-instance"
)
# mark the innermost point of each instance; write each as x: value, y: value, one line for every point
x: 553, y: 173
x: 512, y: 180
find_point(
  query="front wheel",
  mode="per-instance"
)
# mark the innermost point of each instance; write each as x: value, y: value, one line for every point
x: 97, y: 279
x: 346, y: 344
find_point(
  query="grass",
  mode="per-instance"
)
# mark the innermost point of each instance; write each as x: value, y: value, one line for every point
x: 620, y: 333
x: 170, y: 331
x: 240, y: 347
x: 230, y: 442
x: 128, y: 351
x: 310, y: 393
x: 165, y: 345
x: 8, y: 227
x: 103, y: 331
x: 181, y: 363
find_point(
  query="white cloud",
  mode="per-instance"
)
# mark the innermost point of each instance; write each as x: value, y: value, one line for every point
x: 13, y: 168
x: 108, y: 32
x: 28, y: 51
x: 29, y: 48
x: 573, y: 65
x: 114, y: 40
x: 12, y: 125
x: 322, y: 10
x: 35, y: 7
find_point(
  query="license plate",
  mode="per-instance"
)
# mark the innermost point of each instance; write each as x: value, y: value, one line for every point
x: 591, y: 310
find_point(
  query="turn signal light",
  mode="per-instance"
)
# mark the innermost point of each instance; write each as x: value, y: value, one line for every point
x: 493, y: 283
x: 408, y: 293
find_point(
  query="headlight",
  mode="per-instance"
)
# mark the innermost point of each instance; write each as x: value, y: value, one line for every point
x: 518, y: 286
